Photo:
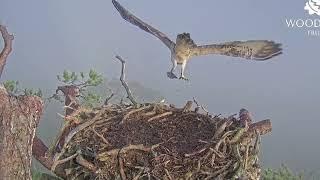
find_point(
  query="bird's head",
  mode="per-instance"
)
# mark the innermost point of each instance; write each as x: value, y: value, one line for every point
x: 185, y: 39
x: 183, y: 36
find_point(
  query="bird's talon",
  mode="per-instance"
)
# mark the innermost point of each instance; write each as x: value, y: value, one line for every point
x: 184, y: 78
x: 171, y: 75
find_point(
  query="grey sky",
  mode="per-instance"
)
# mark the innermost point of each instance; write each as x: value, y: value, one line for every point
x: 78, y: 34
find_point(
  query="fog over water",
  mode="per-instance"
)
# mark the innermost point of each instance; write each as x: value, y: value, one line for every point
x: 51, y: 36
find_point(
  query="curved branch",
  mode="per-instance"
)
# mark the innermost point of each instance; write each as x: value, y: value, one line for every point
x: 258, y: 128
x: 7, y: 38
x: 39, y: 150
x: 124, y: 84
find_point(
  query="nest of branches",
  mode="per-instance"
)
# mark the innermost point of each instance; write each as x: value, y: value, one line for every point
x: 159, y: 141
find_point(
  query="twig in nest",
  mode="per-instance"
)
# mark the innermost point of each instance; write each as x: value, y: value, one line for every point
x: 100, y: 136
x: 195, y: 153
x: 151, y: 113
x: 237, y: 136
x: 73, y: 133
x: 220, y: 130
x: 213, y: 157
x: 160, y: 116
x: 7, y: 38
x: 236, y: 151
x: 187, y: 107
x: 122, y: 173
x: 215, y: 173
x: 140, y: 147
x: 202, y: 107
x: 148, y: 176
x: 168, y: 174
x: 124, y: 84
x: 69, y: 106
x: 210, y: 151
x: 83, y: 162
x: 246, y: 156
x: 202, y: 141
x: 219, y: 154
x: 56, y: 163
x: 222, y: 139
x: 138, y: 175
x: 134, y: 111
x: 257, y: 143
x: 69, y: 118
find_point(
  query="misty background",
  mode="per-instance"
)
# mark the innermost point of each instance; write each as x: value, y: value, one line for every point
x: 51, y: 36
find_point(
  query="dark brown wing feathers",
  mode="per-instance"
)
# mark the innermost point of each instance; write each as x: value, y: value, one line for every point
x: 254, y: 49
x: 142, y: 25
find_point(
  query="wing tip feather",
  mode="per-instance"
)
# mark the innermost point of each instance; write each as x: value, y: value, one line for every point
x: 271, y: 50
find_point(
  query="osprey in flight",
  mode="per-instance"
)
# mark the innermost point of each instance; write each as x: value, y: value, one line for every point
x: 185, y: 48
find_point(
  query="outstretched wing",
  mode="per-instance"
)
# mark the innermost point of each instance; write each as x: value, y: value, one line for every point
x: 254, y: 49
x: 144, y: 26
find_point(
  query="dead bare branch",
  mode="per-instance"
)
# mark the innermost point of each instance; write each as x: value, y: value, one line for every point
x: 258, y: 128
x: 124, y: 84
x: 106, y: 102
x: 200, y: 106
x: 8, y: 38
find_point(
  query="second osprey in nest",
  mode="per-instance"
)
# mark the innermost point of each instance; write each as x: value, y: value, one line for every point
x: 185, y: 48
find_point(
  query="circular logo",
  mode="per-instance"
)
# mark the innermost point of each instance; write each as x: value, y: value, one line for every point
x: 313, y: 7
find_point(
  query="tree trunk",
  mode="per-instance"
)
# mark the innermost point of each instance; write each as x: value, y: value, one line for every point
x: 15, y: 110
x: 18, y: 121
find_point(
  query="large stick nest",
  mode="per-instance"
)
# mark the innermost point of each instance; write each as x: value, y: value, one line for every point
x: 158, y: 141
